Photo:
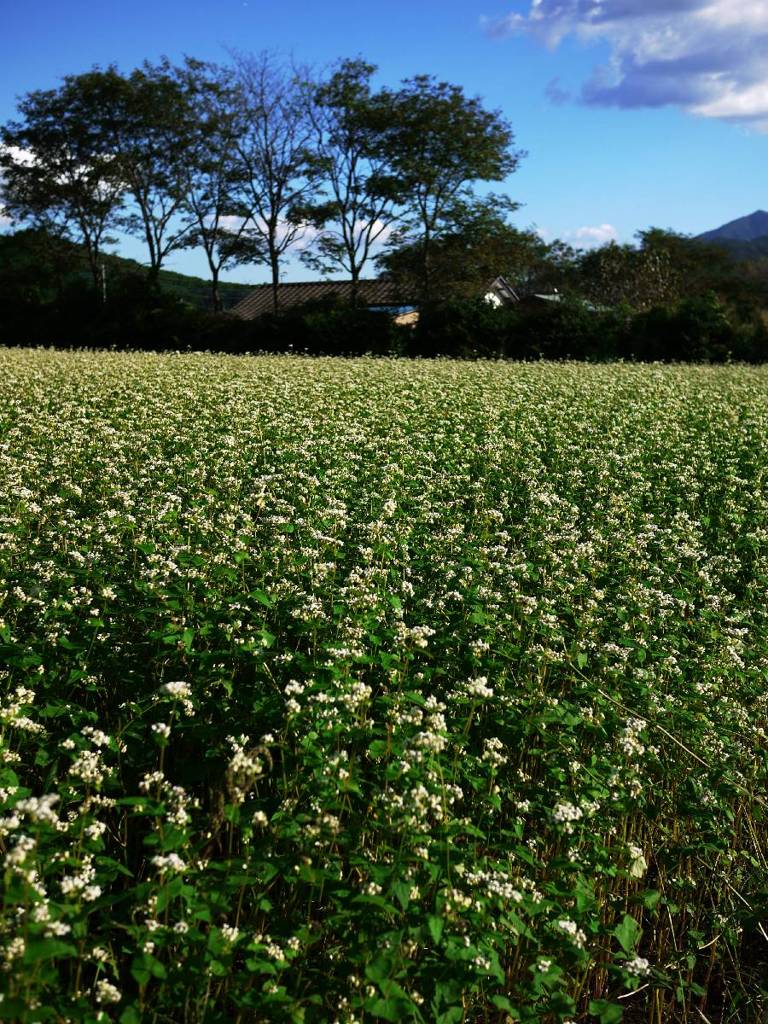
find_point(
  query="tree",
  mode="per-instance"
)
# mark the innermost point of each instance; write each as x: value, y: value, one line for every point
x: 277, y: 173
x: 358, y: 207
x: 60, y: 174
x: 149, y: 121
x: 35, y: 268
x: 209, y: 171
x: 438, y: 142
x: 700, y: 267
x: 624, y: 275
x: 480, y: 245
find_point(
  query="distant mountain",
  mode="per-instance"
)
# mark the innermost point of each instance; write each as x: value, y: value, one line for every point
x: 748, y: 252
x: 745, y: 229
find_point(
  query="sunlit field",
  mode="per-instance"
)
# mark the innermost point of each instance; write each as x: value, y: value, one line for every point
x: 366, y: 690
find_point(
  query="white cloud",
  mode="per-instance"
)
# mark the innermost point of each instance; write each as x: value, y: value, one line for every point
x: 705, y: 56
x: 17, y: 155
x: 591, y: 236
x: 307, y: 233
x: 23, y: 157
x: 735, y: 103
x: 230, y: 223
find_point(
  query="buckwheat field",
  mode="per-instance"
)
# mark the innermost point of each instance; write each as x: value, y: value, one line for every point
x: 358, y: 691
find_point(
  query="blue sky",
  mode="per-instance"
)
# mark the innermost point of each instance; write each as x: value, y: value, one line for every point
x: 633, y: 112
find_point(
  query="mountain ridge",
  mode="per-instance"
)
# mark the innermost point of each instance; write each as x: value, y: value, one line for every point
x: 743, y: 229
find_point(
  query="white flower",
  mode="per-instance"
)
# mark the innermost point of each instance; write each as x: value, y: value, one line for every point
x: 639, y: 864
x: 39, y: 808
x: 19, y: 853
x: 178, y: 689
x: 572, y: 929
x: 565, y: 812
x: 479, y: 688
x: 169, y: 862
x: 89, y: 767
x: 96, y: 829
x: 107, y: 993
x: 638, y: 966
x: 57, y: 929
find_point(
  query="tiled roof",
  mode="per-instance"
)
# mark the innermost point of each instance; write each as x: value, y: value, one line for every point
x: 369, y: 293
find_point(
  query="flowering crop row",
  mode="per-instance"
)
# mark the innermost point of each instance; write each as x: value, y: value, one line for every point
x: 357, y: 691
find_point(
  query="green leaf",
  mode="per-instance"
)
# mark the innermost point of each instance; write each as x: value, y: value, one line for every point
x: 607, y: 1013
x: 452, y: 1016
x: 167, y: 893
x: 262, y: 597
x: 502, y: 1003
x: 68, y: 645
x: 375, y: 901
x: 260, y: 966
x: 379, y: 969
x: 403, y: 892
x: 435, y: 925
x: 130, y: 1015
x: 8, y: 777
x: 389, y: 1009
x: 145, y: 967
x: 628, y: 932
x: 47, y: 949
x: 114, y: 865
x: 13, y: 1009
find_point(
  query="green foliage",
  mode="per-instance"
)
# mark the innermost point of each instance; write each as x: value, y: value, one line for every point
x: 36, y: 267
x: 359, y: 194
x: 639, y: 278
x: 277, y: 172
x: 477, y: 247
x: 438, y: 143
x: 59, y: 171
x: 400, y: 691
x: 695, y: 329
x: 325, y: 328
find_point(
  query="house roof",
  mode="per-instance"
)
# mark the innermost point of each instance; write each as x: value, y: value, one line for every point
x: 370, y: 293
x: 500, y: 286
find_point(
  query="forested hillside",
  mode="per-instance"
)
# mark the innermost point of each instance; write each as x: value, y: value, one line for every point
x: 34, y: 266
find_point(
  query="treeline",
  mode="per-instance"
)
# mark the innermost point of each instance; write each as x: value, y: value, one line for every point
x: 665, y: 298
x: 251, y: 161
x: 256, y: 160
